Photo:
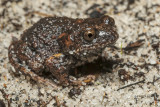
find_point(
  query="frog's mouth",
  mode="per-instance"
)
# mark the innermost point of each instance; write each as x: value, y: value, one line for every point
x: 93, y: 50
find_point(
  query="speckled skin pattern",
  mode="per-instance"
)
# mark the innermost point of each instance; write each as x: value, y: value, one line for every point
x: 57, y: 44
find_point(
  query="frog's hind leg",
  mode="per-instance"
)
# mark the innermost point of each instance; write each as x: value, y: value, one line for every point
x: 36, y: 77
x: 24, y: 70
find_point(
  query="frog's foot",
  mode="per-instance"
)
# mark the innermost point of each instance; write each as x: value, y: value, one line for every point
x: 83, y: 81
x: 36, y: 77
x: 89, y: 79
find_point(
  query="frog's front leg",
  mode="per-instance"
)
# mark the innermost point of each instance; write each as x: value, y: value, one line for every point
x: 59, y: 65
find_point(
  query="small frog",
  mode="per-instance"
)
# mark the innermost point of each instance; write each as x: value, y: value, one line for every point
x: 58, y: 44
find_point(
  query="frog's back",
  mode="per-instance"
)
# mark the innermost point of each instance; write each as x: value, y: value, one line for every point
x: 38, y: 42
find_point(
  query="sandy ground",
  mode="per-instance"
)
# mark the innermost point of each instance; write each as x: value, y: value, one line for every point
x: 135, y: 81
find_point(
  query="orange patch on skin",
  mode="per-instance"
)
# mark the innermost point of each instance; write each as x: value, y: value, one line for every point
x: 23, y: 69
x: 53, y: 56
x: 68, y: 42
x: 87, y: 81
x: 79, y: 21
x: 57, y: 55
x: 63, y: 34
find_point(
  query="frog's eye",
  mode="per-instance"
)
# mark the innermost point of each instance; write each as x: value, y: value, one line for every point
x: 89, y: 35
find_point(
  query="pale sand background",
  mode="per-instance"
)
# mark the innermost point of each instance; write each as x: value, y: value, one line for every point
x: 135, y: 20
